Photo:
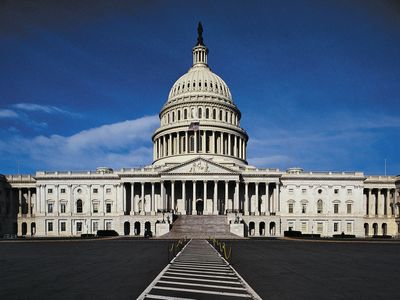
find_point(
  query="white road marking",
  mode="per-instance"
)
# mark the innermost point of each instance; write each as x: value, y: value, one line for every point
x: 149, y: 296
x: 201, y: 279
x: 204, y: 285
x: 203, y: 292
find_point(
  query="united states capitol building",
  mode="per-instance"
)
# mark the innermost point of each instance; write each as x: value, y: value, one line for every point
x: 199, y: 168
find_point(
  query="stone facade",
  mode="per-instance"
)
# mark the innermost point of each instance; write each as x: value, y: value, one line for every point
x: 199, y: 167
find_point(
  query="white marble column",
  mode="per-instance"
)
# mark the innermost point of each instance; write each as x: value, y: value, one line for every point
x: 229, y: 144
x: 204, y: 141
x: 196, y: 136
x: 235, y: 145
x: 153, y: 208
x: 236, y: 202
x: 226, y: 195
x: 162, y: 194
x: 194, y: 199
x: 267, y: 207
x: 20, y: 201
x: 38, y: 196
x: 186, y: 142
x: 205, y: 208
x: 246, y: 198
x: 257, y: 210
x: 173, y: 205
x: 124, y: 199
x: 215, y: 202
x: 371, y: 210
x: 29, y: 202
x: 185, y: 205
x: 142, y: 212
x: 213, y: 144
x: 276, y: 198
x: 132, y: 199
x: 71, y: 200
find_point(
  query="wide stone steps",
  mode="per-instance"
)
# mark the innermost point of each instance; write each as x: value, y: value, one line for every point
x: 200, y: 227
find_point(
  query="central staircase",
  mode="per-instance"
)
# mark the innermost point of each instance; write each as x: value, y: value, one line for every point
x: 200, y: 227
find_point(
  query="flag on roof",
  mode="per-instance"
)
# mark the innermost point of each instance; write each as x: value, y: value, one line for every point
x: 194, y: 126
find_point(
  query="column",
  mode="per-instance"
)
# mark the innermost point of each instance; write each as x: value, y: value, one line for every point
x: 124, y: 199
x: 29, y: 203
x: 387, y: 202
x: 235, y: 144
x: 164, y: 144
x: 276, y: 205
x: 229, y: 145
x: 236, y: 202
x: 205, y: 208
x: 194, y: 198
x: 395, y: 208
x: 186, y: 209
x: 142, y: 197
x: 71, y: 200
x: 215, y: 209
x: 212, y: 144
x: 57, y: 200
x: 196, y: 150
x: 153, y: 208
x: 186, y: 142
x: 381, y: 202
x: 226, y: 194
x: 246, y: 198
x: 19, y: 201
x: 162, y: 194
x: 132, y: 198
x: 257, y: 211
x: 173, y: 195
x: 222, y: 143
x: 240, y: 147
x: 371, y: 210
x: 267, y: 206
x: 204, y: 141
x: 38, y: 195
x: 170, y: 144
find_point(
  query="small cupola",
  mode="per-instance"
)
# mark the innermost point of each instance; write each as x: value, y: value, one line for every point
x: 200, y: 51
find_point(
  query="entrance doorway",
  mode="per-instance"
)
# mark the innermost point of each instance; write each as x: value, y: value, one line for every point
x: 127, y: 228
x: 199, y: 207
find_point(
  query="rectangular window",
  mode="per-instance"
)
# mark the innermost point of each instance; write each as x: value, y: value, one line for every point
x: 303, y: 208
x: 95, y: 207
x: 290, y: 208
x: 349, y: 191
x: 304, y: 191
x: 95, y: 227
x: 349, y: 208
x: 78, y: 226
x: 62, y: 191
x: 320, y: 227
x: 349, y: 227
x: 50, y: 191
x: 50, y: 208
x: 303, y: 227
x: 95, y: 191
x: 108, y: 225
x: 108, y: 207
x: 290, y: 190
x: 108, y: 191
x: 336, y: 191
x: 62, y: 226
x: 50, y: 226
x: 335, y: 227
x: 336, y: 208
x: 63, y: 207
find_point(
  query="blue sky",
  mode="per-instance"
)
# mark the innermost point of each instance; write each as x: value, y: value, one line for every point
x: 82, y: 82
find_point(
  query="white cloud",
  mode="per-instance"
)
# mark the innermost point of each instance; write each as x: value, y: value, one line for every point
x: 121, y: 144
x: 49, y: 109
x: 8, y: 113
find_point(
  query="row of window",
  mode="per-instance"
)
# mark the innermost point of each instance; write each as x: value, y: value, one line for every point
x: 320, y: 208
x: 336, y: 191
x: 190, y: 86
x: 78, y: 226
x: 319, y: 227
x: 200, y: 113
x: 79, y: 191
x: 79, y: 207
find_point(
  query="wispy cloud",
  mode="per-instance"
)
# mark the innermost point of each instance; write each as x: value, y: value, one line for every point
x: 117, y: 145
x: 8, y: 113
x: 49, y: 109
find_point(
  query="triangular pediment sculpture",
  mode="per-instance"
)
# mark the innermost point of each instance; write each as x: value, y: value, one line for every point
x: 199, y: 166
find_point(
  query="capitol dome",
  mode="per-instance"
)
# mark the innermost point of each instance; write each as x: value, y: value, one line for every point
x: 199, y: 118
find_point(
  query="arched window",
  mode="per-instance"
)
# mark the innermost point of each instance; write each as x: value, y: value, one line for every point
x: 167, y: 118
x: 185, y: 114
x: 319, y: 206
x: 207, y: 113
x: 226, y: 117
x: 79, y: 206
x: 200, y: 113
x: 214, y: 114
x: 220, y: 115
x: 173, y: 116
x: 179, y: 115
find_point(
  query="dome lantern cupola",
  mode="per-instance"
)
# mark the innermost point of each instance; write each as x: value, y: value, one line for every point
x: 200, y: 51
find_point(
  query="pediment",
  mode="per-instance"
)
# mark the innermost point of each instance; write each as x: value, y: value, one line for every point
x: 199, y: 166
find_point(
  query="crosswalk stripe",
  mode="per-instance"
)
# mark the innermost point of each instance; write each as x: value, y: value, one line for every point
x: 150, y: 296
x: 203, y: 292
x: 203, y: 285
x: 201, y: 279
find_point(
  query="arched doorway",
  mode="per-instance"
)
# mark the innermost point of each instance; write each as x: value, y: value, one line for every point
x: 384, y: 229
x: 199, y: 207
x: 366, y: 229
x: 375, y: 227
x: 127, y: 228
x: 33, y: 228
x: 147, y: 229
x: 251, y: 228
x: 262, y: 228
x: 24, y: 228
x: 272, y: 229
x: 137, y: 228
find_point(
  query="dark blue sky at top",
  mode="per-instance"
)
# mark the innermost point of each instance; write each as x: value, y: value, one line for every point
x: 318, y: 82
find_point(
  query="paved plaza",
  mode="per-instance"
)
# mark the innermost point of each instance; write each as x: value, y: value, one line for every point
x: 275, y: 269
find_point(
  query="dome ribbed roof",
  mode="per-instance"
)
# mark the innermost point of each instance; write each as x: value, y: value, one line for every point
x: 200, y: 79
